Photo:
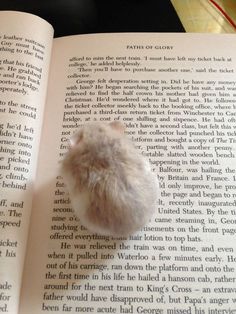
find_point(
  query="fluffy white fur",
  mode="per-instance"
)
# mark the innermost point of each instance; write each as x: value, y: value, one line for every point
x: 112, y: 189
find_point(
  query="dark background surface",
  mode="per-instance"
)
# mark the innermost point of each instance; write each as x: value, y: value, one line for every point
x: 101, y: 16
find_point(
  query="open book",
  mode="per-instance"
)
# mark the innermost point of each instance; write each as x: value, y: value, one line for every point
x: 176, y: 94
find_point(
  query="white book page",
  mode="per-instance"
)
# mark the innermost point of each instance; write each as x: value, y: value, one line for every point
x: 176, y: 95
x: 25, y: 48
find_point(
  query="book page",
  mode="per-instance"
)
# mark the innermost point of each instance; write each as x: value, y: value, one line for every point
x: 176, y: 95
x: 25, y: 48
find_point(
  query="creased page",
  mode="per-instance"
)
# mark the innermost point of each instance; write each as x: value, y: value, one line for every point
x: 176, y: 95
x: 25, y: 48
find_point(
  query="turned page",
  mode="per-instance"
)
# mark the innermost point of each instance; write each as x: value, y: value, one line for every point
x: 176, y: 95
x: 25, y: 47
